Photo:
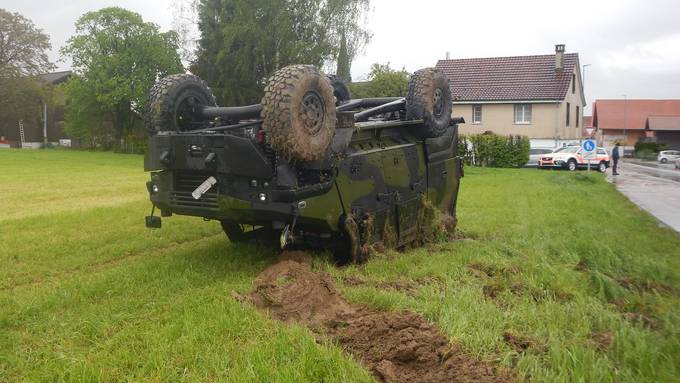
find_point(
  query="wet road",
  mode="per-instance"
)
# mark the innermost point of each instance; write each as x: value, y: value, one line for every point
x: 655, y: 189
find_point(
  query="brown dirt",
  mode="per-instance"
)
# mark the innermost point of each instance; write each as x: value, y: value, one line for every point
x: 394, y: 346
x: 517, y: 342
x: 602, y: 340
x: 408, y: 287
x: 522, y: 344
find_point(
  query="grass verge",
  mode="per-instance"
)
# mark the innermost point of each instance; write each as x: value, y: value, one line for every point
x: 556, y: 275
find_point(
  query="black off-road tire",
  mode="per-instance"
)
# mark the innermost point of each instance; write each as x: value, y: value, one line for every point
x: 429, y: 99
x: 298, y: 113
x: 173, y: 104
x: 340, y: 89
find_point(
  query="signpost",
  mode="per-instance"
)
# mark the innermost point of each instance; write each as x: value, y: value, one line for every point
x: 589, y: 151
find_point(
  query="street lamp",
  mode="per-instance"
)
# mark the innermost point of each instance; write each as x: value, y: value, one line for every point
x: 583, y: 80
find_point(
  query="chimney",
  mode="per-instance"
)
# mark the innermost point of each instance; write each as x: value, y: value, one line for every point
x: 559, y: 57
x: 448, y: 55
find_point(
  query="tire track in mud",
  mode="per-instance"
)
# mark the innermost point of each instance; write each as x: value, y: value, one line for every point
x: 393, y: 346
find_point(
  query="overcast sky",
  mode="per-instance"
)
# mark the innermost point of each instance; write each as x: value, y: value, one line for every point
x: 633, y: 46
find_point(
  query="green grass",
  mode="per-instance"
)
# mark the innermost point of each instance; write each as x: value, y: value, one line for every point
x: 88, y: 294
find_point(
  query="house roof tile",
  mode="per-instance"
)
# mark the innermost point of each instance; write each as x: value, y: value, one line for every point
x: 520, y: 78
x: 663, y: 123
x: 610, y: 114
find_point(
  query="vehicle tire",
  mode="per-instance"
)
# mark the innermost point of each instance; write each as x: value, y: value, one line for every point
x: 602, y: 167
x: 571, y: 165
x: 298, y: 112
x: 663, y: 160
x: 429, y: 99
x: 174, y: 102
x: 340, y: 89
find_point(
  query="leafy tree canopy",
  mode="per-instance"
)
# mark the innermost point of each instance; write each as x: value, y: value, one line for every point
x: 23, y: 55
x: 23, y: 47
x: 116, y: 58
x: 383, y: 82
x: 244, y: 41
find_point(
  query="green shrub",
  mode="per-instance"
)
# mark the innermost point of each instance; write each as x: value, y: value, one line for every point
x: 492, y: 150
x: 644, y: 148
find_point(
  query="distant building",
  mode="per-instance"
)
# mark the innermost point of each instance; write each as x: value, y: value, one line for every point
x: 34, y: 128
x: 536, y: 96
x: 630, y: 121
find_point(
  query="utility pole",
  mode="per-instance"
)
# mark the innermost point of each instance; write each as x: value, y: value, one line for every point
x: 625, y: 107
x: 45, y: 125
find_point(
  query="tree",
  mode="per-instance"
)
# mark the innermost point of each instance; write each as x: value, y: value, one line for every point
x: 184, y: 23
x: 23, y: 47
x: 346, y: 21
x: 344, y: 62
x: 116, y: 58
x: 383, y: 82
x: 244, y: 41
x: 23, y: 55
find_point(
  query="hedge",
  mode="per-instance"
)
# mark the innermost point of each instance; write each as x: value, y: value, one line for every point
x: 492, y: 150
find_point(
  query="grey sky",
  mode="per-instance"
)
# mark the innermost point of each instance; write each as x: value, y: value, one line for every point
x: 633, y: 46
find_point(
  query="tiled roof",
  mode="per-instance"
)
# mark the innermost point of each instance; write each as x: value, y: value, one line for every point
x: 609, y: 114
x: 521, y: 78
x: 663, y: 123
x: 587, y: 121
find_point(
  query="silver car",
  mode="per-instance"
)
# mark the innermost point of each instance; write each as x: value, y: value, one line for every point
x: 535, y: 154
x: 666, y: 156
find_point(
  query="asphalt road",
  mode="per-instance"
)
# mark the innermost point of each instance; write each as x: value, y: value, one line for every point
x: 653, y: 187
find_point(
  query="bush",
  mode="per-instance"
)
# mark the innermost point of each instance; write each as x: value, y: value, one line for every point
x: 492, y: 150
x: 648, y: 149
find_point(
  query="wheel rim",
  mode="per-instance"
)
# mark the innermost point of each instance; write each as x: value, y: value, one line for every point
x: 603, y: 168
x: 438, y: 105
x: 313, y: 112
x: 572, y: 166
x: 187, y: 112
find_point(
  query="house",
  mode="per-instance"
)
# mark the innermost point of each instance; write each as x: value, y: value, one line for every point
x: 536, y: 96
x: 588, y: 130
x: 629, y: 121
x: 664, y: 130
x: 46, y: 126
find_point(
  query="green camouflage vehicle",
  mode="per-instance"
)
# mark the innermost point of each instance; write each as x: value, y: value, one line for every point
x: 309, y: 166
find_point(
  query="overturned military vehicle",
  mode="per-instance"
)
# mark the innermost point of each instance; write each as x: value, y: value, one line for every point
x: 309, y: 166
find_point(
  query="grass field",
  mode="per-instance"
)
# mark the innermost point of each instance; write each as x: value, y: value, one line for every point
x: 588, y: 283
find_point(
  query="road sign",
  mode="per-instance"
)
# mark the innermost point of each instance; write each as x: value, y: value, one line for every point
x: 589, y: 132
x: 589, y: 151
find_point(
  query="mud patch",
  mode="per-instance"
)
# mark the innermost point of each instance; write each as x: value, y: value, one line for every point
x: 394, y: 346
x: 522, y: 344
x: 602, y: 340
x: 408, y: 287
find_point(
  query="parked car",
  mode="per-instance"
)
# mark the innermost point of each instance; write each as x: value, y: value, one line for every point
x: 571, y: 158
x: 535, y: 154
x: 666, y: 156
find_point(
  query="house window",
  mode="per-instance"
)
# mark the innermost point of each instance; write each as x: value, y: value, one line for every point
x: 568, y: 110
x: 577, y: 116
x: 522, y: 113
x: 476, y: 114
x: 573, y: 83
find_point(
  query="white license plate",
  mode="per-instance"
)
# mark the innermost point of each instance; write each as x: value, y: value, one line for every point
x: 204, y: 187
